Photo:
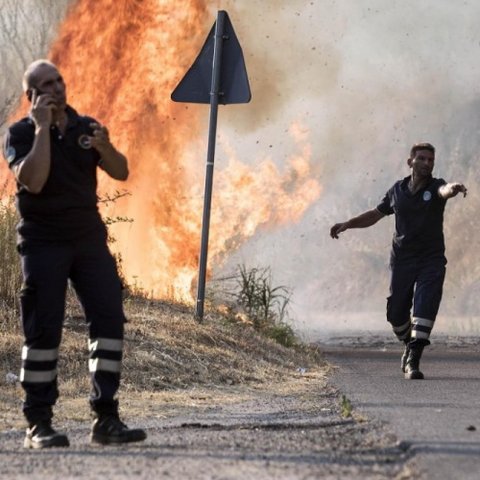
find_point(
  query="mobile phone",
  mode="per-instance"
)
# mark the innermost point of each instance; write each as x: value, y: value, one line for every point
x: 37, y: 92
x: 30, y: 93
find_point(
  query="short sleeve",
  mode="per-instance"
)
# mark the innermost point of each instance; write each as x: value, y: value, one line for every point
x: 385, y: 206
x: 18, y: 142
x: 440, y: 182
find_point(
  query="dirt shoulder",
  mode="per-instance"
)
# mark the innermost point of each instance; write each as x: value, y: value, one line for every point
x: 219, y: 401
x: 289, y: 429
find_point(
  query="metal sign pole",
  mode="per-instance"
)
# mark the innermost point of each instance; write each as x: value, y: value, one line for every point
x: 212, y: 132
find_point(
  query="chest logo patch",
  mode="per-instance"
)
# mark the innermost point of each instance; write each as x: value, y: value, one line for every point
x: 10, y: 154
x: 85, y: 142
x: 427, y: 196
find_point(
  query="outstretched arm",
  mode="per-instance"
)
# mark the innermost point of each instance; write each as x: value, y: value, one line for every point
x: 364, y: 220
x: 449, y: 190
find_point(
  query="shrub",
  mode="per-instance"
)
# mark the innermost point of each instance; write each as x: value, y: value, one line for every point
x: 10, y: 271
x: 265, y: 306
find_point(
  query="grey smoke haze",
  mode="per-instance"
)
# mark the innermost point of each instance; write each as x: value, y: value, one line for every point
x: 367, y: 79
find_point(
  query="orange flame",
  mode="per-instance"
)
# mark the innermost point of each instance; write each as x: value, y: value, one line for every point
x: 121, y: 59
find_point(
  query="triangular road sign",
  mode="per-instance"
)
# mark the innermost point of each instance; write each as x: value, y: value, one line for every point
x: 195, y: 87
x: 218, y: 75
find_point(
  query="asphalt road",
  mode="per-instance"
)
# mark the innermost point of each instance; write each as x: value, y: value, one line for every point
x: 436, y: 420
x: 290, y: 430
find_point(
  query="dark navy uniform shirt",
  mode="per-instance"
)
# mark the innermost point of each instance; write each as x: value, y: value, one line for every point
x: 418, y: 220
x: 66, y: 208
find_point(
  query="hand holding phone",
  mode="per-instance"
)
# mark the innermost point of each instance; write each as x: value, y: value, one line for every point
x: 42, y: 107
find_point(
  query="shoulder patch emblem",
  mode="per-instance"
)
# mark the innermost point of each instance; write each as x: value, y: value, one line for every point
x: 427, y: 195
x: 10, y: 154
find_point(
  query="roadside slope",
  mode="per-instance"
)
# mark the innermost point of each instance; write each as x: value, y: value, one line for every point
x: 218, y: 401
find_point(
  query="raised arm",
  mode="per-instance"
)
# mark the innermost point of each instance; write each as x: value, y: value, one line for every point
x: 449, y: 190
x: 364, y: 220
x: 33, y: 170
x: 113, y: 162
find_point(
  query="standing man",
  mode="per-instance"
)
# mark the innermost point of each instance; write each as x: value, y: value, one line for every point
x: 417, y: 258
x: 54, y: 154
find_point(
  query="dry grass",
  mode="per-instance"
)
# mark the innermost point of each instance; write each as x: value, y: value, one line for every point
x: 10, y: 274
x: 168, y: 358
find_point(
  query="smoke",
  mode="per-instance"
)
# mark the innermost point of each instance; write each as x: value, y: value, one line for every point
x: 367, y: 80
x: 121, y: 60
x: 341, y: 89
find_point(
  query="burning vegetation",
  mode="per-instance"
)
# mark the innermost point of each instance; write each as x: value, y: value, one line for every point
x: 121, y: 60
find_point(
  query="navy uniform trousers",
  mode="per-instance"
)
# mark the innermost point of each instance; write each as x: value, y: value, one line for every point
x: 418, y: 283
x: 89, y: 265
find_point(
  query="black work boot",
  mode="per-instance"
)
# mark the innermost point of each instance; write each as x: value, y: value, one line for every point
x: 412, y: 367
x: 403, y: 361
x: 42, y: 435
x: 109, y: 429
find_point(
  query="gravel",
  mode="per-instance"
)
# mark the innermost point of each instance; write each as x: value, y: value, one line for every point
x: 282, y: 433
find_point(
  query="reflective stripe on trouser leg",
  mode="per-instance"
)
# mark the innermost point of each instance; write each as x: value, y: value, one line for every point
x: 38, y: 365
x: 421, y: 328
x: 399, y: 303
x: 428, y: 292
x: 402, y: 331
x: 105, y: 365
x: 45, y: 269
x: 38, y: 377
x: 96, y: 281
x: 105, y: 355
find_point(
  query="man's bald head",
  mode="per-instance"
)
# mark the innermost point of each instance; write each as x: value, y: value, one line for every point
x: 31, y: 73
